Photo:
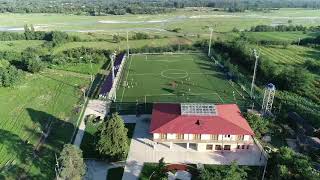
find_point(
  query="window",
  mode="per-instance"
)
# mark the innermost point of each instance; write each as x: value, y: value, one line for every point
x: 242, y: 147
x: 197, y: 137
x: 238, y: 146
x: 248, y: 146
x: 240, y: 137
x: 214, y: 137
x: 227, y: 147
x: 163, y: 136
x: 227, y: 136
x: 209, y: 147
x: 217, y: 147
x: 179, y: 136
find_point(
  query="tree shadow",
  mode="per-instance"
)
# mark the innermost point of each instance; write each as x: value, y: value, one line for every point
x: 37, y: 159
x: 168, y: 90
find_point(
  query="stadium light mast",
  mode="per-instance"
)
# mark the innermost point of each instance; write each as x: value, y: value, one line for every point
x: 254, y: 73
x: 209, y: 51
x: 112, y: 57
x: 128, y: 43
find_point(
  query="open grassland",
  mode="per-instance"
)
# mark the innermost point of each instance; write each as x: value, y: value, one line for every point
x: 123, y: 44
x: 51, y: 97
x: 19, y: 45
x: 292, y: 55
x: 190, y: 20
x: 175, y: 78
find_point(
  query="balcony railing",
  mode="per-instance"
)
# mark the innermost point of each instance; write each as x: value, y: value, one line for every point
x: 202, y: 141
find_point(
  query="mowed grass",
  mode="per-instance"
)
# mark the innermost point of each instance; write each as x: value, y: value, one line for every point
x: 25, y: 112
x: 292, y: 55
x: 175, y: 78
x: 83, y: 68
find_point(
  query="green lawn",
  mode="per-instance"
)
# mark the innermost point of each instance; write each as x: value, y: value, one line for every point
x: 27, y: 109
x: 82, y: 68
x: 175, y: 78
x: 115, y: 173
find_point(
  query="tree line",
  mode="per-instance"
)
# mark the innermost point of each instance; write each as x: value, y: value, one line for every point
x: 120, y: 7
x: 54, y: 37
x: 283, y: 28
x: 296, y: 88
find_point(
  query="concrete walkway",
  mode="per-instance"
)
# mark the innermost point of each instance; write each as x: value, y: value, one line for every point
x: 141, y: 150
x: 94, y: 107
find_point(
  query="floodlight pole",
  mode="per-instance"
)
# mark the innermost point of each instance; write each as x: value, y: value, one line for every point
x: 112, y: 69
x: 209, y: 51
x: 128, y: 43
x: 254, y: 72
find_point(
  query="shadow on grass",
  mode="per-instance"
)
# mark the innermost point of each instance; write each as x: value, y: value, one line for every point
x: 36, y: 160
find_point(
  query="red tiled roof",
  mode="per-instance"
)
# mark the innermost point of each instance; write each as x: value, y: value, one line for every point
x: 167, y: 118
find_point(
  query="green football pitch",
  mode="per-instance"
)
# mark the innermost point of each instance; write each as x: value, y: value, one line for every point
x: 176, y: 78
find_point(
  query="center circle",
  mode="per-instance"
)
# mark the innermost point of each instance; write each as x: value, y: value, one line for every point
x: 174, y: 73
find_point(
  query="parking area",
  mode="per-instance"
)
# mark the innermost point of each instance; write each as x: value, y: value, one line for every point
x: 141, y: 150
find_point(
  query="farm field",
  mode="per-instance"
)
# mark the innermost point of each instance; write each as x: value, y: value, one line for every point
x: 175, y: 78
x: 279, y: 36
x: 189, y: 20
x: 27, y: 110
x: 292, y: 55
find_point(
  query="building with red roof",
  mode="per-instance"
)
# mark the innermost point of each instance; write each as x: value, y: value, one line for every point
x: 201, y: 126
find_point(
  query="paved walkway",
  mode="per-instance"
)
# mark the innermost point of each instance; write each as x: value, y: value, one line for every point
x: 94, y: 107
x: 141, y: 150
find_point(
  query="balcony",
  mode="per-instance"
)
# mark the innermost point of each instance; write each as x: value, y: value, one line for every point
x: 202, y: 141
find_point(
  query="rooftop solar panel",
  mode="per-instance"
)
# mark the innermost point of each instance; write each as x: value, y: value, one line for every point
x: 198, y: 109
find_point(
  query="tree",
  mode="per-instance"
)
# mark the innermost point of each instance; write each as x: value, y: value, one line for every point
x: 31, y: 60
x: 71, y: 163
x: 116, y: 38
x: 113, y: 140
x: 294, y: 79
x: 160, y: 172
x: 232, y: 172
x: 258, y: 124
x: 287, y: 164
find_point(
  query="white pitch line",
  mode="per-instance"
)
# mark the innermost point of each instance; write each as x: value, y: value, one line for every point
x: 126, y: 79
x: 143, y: 74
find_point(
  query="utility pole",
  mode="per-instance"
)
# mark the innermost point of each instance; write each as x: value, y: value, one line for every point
x: 209, y: 51
x: 128, y: 43
x: 254, y: 72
